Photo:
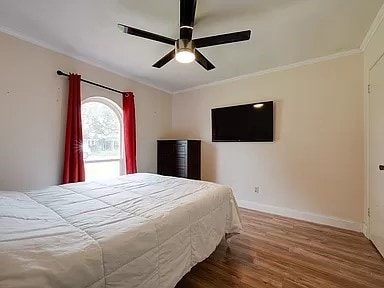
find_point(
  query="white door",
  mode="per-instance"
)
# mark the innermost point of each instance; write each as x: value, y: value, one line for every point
x: 376, y: 154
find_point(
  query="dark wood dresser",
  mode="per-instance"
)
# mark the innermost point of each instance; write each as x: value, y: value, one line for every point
x: 179, y: 158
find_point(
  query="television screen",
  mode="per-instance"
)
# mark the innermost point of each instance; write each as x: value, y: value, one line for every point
x: 243, y: 123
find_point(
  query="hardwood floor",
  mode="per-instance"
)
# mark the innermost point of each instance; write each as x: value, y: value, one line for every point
x: 275, y: 251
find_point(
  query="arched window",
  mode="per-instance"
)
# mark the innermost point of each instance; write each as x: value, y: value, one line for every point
x: 102, y: 138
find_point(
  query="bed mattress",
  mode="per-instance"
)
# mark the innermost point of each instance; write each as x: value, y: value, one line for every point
x: 140, y: 230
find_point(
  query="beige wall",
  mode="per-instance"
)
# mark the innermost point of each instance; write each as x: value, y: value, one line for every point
x: 33, y: 110
x: 316, y: 163
x: 372, y: 54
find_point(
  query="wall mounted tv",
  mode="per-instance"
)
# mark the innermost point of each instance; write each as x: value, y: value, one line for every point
x: 243, y: 123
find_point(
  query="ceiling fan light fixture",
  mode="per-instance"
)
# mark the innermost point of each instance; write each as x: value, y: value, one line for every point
x: 185, y: 51
x: 185, y: 56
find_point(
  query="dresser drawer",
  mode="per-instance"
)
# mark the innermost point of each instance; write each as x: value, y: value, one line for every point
x: 181, y: 158
x: 181, y: 147
x: 181, y: 172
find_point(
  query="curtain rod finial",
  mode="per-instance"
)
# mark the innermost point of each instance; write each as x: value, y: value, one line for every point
x: 58, y: 72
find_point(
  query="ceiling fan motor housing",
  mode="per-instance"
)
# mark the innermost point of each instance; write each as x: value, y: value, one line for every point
x: 186, y: 45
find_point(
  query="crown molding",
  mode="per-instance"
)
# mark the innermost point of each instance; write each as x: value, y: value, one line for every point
x: 273, y: 70
x: 86, y: 60
x: 372, y: 30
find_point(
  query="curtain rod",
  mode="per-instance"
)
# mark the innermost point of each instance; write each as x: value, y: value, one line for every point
x: 61, y: 73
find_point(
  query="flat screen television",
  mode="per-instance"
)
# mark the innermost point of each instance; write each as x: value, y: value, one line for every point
x: 243, y: 123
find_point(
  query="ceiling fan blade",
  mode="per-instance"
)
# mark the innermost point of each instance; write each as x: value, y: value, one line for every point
x: 145, y: 34
x: 203, y: 61
x: 165, y: 59
x: 187, y: 18
x: 222, y: 39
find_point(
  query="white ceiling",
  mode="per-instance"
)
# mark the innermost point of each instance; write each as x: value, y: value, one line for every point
x: 283, y: 32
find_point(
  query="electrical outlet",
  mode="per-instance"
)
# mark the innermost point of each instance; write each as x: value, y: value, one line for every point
x: 257, y: 189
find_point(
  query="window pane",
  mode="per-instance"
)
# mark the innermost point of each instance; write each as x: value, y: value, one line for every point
x: 101, y: 132
x: 101, y: 141
x: 102, y: 170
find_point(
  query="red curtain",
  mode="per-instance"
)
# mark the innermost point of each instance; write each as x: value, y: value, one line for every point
x: 129, y: 132
x: 73, y: 154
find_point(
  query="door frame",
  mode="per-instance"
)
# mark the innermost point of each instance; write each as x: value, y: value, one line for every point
x: 367, y: 229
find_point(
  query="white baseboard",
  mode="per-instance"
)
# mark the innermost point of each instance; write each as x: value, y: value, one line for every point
x: 315, y: 218
x: 366, y: 231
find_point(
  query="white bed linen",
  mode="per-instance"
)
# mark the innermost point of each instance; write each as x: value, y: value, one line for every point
x: 140, y: 230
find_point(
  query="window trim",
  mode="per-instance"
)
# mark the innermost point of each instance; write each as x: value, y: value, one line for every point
x: 119, y: 113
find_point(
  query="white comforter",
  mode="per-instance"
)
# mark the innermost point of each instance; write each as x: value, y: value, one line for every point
x: 139, y: 230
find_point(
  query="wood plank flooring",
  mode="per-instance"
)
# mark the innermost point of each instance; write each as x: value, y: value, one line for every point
x: 280, y: 252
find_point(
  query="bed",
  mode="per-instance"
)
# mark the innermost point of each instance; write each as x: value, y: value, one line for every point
x: 140, y: 230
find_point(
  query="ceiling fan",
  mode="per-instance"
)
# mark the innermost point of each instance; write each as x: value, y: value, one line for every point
x: 185, y: 48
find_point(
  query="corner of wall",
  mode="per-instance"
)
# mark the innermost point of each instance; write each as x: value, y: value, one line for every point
x: 373, y: 29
